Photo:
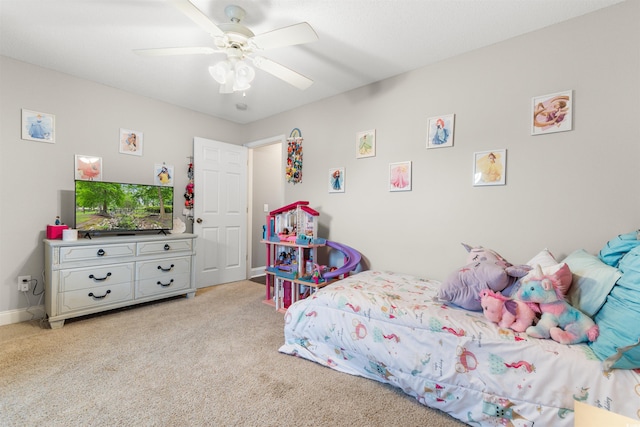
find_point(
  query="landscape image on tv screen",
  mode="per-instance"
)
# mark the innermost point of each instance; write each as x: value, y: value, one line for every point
x: 109, y: 206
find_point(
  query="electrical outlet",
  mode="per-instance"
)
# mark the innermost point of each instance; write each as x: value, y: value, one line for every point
x: 23, y: 283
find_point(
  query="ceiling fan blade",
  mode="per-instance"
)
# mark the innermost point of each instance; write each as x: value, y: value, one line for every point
x: 166, y: 51
x: 193, y: 13
x: 280, y: 71
x: 287, y: 36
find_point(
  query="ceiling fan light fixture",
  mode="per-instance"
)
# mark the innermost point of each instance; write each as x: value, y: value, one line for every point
x: 234, y: 75
x: 244, y: 73
x: 220, y: 72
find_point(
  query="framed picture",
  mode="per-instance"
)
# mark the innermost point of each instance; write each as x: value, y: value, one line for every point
x: 440, y: 132
x: 336, y: 180
x: 38, y: 126
x: 489, y: 167
x: 400, y: 176
x: 163, y: 175
x: 131, y: 142
x: 366, y: 144
x: 88, y: 168
x: 552, y: 113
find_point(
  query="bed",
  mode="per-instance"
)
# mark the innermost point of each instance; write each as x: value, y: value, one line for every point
x: 393, y: 328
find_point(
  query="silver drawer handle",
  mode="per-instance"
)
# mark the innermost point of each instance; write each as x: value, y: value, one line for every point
x: 99, y: 279
x: 165, y: 269
x: 99, y: 296
x: 164, y: 285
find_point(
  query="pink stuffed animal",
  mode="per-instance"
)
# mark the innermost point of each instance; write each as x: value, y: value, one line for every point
x: 506, y: 312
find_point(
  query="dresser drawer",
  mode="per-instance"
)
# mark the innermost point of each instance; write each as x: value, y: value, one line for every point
x: 163, y: 284
x: 84, y: 253
x: 91, y: 277
x: 99, y: 296
x: 163, y: 247
x: 163, y: 267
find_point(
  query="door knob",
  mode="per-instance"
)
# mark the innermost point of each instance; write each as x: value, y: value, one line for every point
x: 199, y: 220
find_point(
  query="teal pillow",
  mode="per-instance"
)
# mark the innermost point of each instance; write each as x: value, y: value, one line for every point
x: 619, y: 318
x: 592, y: 281
x: 615, y: 248
x: 618, y: 344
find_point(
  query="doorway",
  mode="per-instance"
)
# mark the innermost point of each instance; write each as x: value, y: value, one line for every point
x: 266, y: 193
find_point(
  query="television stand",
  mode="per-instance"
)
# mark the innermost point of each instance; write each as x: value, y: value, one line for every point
x: 89, y: 276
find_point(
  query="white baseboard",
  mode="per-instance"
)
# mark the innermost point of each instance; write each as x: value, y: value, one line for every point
x: 21, y: 315
x: 257, y: 272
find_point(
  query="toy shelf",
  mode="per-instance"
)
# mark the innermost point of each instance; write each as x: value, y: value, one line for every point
x: 283, y: 281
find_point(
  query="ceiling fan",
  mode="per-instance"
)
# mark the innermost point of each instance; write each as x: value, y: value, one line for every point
x: 239, y: 43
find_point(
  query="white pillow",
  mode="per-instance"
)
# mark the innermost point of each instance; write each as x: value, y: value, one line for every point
x: 544, y: 258
x: 551, y: 267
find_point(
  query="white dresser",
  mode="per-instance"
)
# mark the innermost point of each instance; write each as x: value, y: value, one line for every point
x: 92, y: 275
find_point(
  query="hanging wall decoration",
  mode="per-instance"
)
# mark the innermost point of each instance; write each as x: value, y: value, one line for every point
x: 163, y: 175
x: 400, y: 176
x: 440, y: 131
x: 552, y: 113
x: 88, y: 168
x: 188, y: 193
x: 366, y: 144
x: 489, y: 167
x: 294, y: 157
x: 336, y: 180
x: 38, y: 126
x: 131, y: 142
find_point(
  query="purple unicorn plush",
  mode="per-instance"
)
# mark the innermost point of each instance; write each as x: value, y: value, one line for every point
x: 559, y: 321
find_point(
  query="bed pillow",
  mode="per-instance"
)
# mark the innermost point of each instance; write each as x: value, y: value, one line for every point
x: 479, y: 253
x: 551, y: 267
x: 592, y: 281
x: 544, y: 258
x: 463, y: 286
x: 619, y: 318
x: 618, y: 345
x: 615, y: 248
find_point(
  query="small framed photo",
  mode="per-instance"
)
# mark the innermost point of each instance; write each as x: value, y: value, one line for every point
x: 440, y: 132
x: 38, y: 126
x: 163, y: 175
x: 336, y: 180
x: 88, y: 168
x: 366, y: 144
x: 489, y: 167
x: 400, y: 176
x: 552, y: 113
x: 131, y: 142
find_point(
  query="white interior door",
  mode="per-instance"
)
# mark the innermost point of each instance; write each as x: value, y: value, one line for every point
x: 220, y: 211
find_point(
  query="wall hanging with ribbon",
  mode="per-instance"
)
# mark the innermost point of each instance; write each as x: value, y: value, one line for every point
x: 294, y: 157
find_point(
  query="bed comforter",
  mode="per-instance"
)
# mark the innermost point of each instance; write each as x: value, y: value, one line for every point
x: 388, y: 327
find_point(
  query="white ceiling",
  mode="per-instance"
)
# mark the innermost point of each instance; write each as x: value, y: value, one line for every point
x: 360, y: 42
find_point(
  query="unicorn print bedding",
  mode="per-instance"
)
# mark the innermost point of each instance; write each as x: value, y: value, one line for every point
x: 390, y: 327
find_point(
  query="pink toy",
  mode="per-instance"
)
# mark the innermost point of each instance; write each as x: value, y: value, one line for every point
x: 317, y: 273
x: 560, y: 321
x: 506, y: 312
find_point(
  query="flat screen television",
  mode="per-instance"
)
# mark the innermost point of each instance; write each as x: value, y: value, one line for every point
x: 121, y: 208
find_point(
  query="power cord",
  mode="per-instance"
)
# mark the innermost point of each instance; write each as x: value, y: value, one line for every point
x: 33, y: 284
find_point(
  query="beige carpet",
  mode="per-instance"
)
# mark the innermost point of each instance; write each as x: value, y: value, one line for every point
x: 211, y: 360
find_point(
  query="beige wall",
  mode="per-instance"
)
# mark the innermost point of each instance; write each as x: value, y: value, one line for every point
x: 564, y: 191
x: 37, y: 178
